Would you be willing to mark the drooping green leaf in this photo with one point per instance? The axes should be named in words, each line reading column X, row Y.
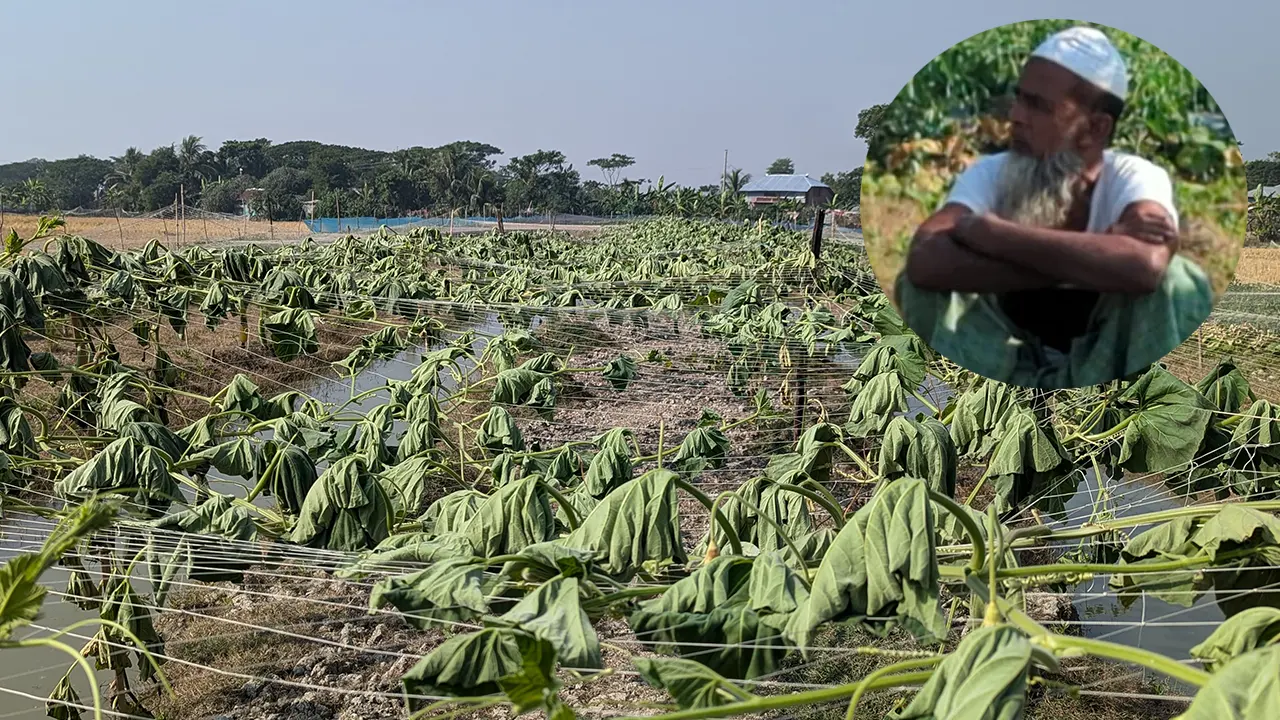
column 704, row 447
column 1226, row 387
column 452, row 590
column 881, row 565
column 173, row 306
column 471, row 665
column 1166, row 424
column 423, row 432
column 160, row 437
column 216, row 304
column 1254, row 628
column 346, row 509
column 984, row 679
column 290, row 475
column 811, row 458
column 903, row 354
column 542, row 561
column 636, row 526
column 16, row 437
column 124, row 467
column 620, row 372
column 451, row 513
column 499, row 433
column 238, row 457
column 726, row 615
column 876, row 403
column 1245, row 688
column 290, row 334
column 1027, row 461
column 692, row 685
column 922, row 449
column 411, row 480
column 553, row 613
column 515, row 516
column 979, row 413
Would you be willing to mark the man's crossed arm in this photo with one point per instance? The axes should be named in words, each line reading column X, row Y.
column 957, row 250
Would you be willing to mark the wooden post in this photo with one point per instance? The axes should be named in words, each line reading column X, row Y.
column 501, row 231
column 815, row 242
column 182, row 204
column 204, row 220
column 120, row 228
column 175, row 219
column 451, row 212
column 337, row 210
column 802, row 365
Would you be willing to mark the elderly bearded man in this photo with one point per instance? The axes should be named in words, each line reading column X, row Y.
column 1055, row 264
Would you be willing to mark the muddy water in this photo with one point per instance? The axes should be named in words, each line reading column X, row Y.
column 36, row 671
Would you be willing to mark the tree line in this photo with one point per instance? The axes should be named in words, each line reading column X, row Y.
column 1265, row 172
column 276, row 180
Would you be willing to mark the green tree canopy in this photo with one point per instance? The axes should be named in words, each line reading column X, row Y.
column 781, row 166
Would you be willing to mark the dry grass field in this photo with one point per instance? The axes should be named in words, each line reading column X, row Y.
column 1259, row 265
column 127, row 233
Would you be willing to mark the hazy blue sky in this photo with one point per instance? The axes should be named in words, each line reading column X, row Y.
column 672, row 82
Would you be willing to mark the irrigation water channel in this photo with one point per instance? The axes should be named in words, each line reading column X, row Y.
column 35, row 671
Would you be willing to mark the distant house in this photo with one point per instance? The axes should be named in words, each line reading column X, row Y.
column 772, row 188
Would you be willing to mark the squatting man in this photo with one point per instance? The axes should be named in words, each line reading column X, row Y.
column 1054, row 264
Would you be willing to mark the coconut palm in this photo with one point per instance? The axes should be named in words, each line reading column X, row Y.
column 124, row 170
column 735, row 180
column 195, row 162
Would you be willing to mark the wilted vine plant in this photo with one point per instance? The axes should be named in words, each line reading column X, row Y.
column 433, row 490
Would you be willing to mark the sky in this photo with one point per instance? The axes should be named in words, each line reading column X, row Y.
column 673, row 83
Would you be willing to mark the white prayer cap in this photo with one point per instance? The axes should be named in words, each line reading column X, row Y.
column 1088, row 53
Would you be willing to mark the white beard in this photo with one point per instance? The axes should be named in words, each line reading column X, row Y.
column 1038, row 192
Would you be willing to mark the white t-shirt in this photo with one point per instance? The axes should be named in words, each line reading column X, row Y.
column 1125, row 179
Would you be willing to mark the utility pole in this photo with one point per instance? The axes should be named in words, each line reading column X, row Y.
column 726, row 170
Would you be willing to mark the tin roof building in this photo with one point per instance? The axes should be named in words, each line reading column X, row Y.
column 772, row 188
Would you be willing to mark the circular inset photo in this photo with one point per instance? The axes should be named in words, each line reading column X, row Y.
column 1054, row 204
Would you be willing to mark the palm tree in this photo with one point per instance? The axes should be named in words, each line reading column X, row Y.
column 735, row 179
column 194, row 160
column 35, row 196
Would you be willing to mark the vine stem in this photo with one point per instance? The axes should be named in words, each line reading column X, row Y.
column 1124, row 653
column 833, row 509
column 75, row 655
column 978, row 559
column 718, row 516
column 570, row 513
column 662, row 429
column 918, row 664
column 789, row 700
column 856, row 458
